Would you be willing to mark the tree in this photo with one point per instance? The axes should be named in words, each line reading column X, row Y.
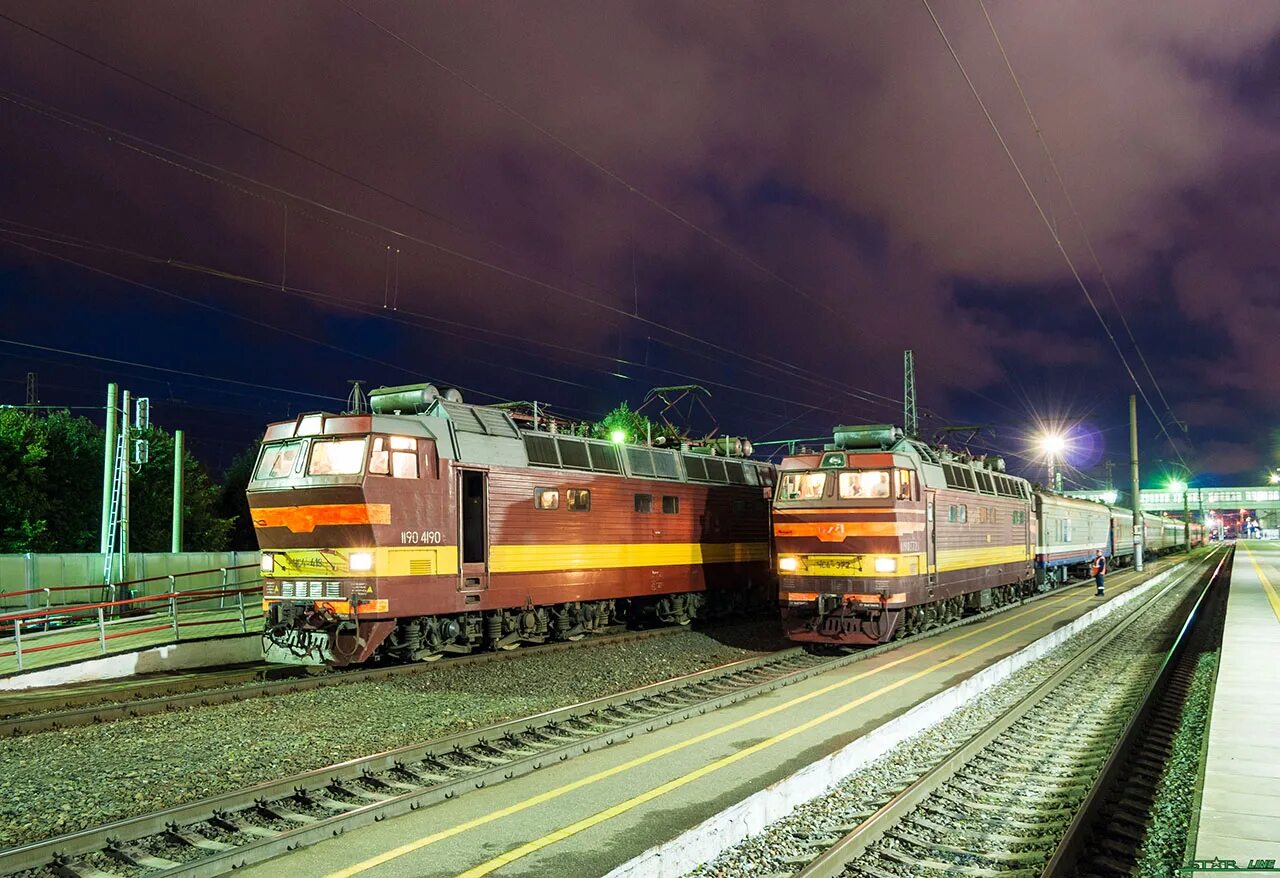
column 233, row 502
column 205, row 529
column 24, row 525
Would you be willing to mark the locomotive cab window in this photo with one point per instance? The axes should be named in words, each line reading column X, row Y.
column 336, row 457
column 803, row 486
column 546, row 498
column 671, row 505
column 577, row 499
column 644, row 503
column 280, row 459
column 864, row 484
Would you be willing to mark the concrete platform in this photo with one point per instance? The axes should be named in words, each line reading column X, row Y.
column 1240, row 805
column 589, row 815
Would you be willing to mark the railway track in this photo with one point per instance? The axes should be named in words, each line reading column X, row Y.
column 223, row 686
column 1031, row 793
column 212, row 836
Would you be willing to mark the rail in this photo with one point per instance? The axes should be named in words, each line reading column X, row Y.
column 33, row 631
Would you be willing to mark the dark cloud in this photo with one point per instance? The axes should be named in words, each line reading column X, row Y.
column 836, row 145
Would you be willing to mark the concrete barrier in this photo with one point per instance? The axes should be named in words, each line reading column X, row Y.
column 738, row 822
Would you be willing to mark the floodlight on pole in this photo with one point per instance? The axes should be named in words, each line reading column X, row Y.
column 618, row 436
column 1052, row 444
column 1274, row 478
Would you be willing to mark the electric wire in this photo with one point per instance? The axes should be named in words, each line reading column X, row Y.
column 129, row 141
column 1048, row 224
column 598, row 166
column 1053, row 165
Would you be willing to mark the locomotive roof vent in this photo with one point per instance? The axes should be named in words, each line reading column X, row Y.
column 405, row 399
column 453, row 394
column 882, row 436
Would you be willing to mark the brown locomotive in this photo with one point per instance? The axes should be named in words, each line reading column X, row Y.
column 432, row 526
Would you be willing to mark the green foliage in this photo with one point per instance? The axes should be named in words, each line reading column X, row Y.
column 51, row 485
column 635, row 427
column 151, row 497
column 233, row 502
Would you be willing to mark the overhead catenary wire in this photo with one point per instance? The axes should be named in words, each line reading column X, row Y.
column 728, row 247
column 58, row 238
column 1053, row 232
column 1071, row 205
column 221, row 117
column 166, row 155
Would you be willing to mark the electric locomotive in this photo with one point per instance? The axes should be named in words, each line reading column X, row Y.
column 880, row 535
column 431, row 526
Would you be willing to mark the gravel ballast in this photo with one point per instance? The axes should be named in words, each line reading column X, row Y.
column 58, row 782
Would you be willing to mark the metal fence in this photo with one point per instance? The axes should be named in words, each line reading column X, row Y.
column 33, row 580
column 64, row 621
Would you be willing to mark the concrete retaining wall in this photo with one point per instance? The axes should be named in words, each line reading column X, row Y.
column 750, row 816
column 169, row 657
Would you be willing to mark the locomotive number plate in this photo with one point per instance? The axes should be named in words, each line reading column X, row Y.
column 421, row 537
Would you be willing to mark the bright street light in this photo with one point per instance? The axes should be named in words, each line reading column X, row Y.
column 618, row 436
column 1275, row 478
column 1110, row 497
column 1177, row 486
column 1053, row 443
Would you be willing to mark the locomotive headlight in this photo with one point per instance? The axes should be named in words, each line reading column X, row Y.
column 788, row 565
column 268, row 563
column 360, row 562
column 886, row 565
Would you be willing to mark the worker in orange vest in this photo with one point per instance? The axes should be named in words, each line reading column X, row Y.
column 1100, row 571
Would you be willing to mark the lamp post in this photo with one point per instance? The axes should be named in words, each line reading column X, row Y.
column 1179, row 486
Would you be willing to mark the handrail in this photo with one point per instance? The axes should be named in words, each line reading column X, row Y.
column 24, row 592
column 68, row 609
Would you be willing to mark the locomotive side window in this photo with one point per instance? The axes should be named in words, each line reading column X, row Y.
column 336, row 457
column 906, row 489
column 864, row 484
column 803, row 486
column 577, row 499
column 278, row 459
column 644, row 503
column 404, row 457
column 546, row 498
column 379, row 458
column 671, row 505
column 958, row 514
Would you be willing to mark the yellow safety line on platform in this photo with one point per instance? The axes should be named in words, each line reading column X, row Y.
column 550, row 795
column 1266, row 583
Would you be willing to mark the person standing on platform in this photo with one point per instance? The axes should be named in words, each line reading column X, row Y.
column 1100, row 572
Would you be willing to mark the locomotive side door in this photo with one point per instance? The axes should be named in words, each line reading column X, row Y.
column 473, row 530
column 931, row 539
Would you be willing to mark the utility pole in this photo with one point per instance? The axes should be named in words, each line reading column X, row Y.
column 177, row 490
column 1138, row 529
column 108, row 469
column 910, row 417
column 1186, row 516
column 1111, row 480
column 33, row 388
column 125, row 466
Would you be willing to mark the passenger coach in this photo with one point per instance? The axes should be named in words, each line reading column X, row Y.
column 431, row 526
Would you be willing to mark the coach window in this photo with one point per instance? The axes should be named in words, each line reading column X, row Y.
column 577, row 499
column 906, row 488
column 644, row 503
column 671, row 505
column 546, row 498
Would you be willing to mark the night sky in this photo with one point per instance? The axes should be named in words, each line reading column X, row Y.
column 576, row 201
